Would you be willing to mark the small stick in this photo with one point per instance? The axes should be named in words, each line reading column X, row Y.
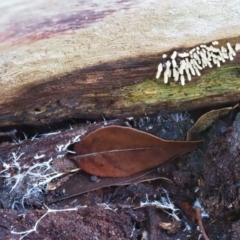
column 200, row 224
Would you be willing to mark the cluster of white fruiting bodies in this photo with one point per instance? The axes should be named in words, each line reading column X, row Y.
column 184, row 65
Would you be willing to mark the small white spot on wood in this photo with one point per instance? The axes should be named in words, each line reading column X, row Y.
column 237, row 46
column 215, row 43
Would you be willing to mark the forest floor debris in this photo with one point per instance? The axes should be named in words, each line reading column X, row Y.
column 210, row 174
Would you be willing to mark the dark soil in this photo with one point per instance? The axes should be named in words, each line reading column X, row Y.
column 221, row 191
column 210, row 174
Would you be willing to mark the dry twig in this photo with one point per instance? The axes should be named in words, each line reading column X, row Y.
column 200, row 223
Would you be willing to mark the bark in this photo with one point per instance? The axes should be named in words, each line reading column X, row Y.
column 84, row 59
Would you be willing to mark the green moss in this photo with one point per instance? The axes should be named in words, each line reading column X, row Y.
column 219, row 81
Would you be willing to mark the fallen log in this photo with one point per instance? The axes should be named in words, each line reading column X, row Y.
column 98, row 58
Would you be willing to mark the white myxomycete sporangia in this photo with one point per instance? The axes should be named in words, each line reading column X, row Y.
column 181, row 66
column 237, row 47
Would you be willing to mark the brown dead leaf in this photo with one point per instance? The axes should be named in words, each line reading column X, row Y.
column 120, row 151
column 205, row 121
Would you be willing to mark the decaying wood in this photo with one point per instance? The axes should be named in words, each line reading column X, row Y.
column 47, row 144
column 84, row 59
column 21, row 164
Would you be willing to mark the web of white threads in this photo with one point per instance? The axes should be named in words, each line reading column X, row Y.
column 164, row 203
column 34, row 228
column 187, row 64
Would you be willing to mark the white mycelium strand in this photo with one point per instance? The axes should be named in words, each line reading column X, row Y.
column 184, row 65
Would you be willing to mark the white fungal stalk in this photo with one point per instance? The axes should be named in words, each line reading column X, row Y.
column 183, row 65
